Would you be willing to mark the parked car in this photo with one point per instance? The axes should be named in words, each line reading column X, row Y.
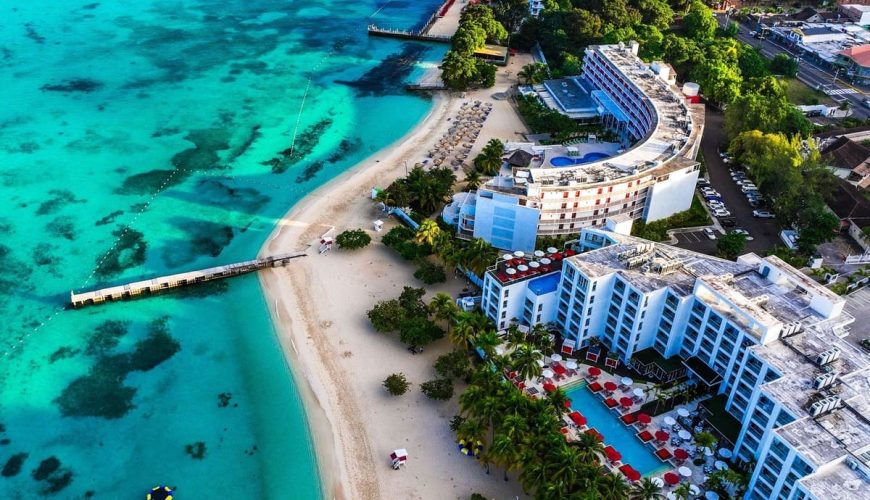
column 715, row 204
column 744, row 232
column 702, row 182
column 728, row 222
column 749, row 187
column 721, row 213
column 709, row 233
column 753, row 33
column 763, row 214
column 866, row 102
column 714, row 198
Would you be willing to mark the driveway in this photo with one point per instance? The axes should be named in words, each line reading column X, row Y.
column 858, row 305
column 765, row 232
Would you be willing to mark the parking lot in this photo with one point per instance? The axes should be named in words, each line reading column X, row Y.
column 765, row 232
column 858, row 305
column 696, row 241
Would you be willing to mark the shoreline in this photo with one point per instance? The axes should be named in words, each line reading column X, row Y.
column 331, row 463
column 318, row 305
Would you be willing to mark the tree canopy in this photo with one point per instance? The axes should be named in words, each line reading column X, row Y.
column 764, row 106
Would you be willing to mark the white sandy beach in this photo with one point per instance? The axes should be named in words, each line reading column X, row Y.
column 318, row 305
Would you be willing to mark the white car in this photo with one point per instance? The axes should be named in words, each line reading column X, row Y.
column 748, row 187
column 716, row 205
column 709, row 233
column 721, row 213
column 743, row 232
column 763, row 214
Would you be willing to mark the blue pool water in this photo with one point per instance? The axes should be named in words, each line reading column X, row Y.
column 616, row 434
column 545, row 284
column 564, row 161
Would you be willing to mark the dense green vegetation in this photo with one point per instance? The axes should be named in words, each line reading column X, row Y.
column 460, row 69
column 396, row 384
column 730, row 246
column 421, row 190
column 795, row 182
column 353, row 239
column 658, row 231
column 488, row 161
column 408, row 316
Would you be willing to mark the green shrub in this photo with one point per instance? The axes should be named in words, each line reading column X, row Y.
column 658, row 230
column 440, row 389
column 397, row 235
column 430, row 273
column 454, row 364
column 396, row 384
column 353, row 239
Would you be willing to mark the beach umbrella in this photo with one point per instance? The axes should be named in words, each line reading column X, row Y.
column 539, row 253
column 552, row 250
column 594, row 371
column 577, row 418
column 549, row 387
column 638, row 392
column 662, row 436
column 539, row 361
column 555, row 357
column 708, row 452
column 671, row 478
column 630, row 473
column 572, row 365
column 535, row 265
column 545, row 261
column 694, row 490
column 547, row 373
column 711, row 495
column 612, row 454
column 725, row 453
column 522, row 268
column 644, row 418
column 510, row 270
column 610, row 386
column 671, row 496
column 669, row 420
column 684, row 434
column 681, row 454
column 682, row 412
column 658, row 481
column 626, row 381
column 720, row 465
column 159, row 493
column 507, row 256
column 593, row 432
column 626, row 402
column 685, row 471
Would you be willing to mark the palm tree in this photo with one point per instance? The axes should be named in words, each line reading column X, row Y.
column 683, row 491
column 468, row 327
column 384, row 196
column 613, row 487
column 487, row 340
column 444, row 308
column 427, row 233
column 646, row 489
column 505, row 452
column 472, row 180
column 478, row 256
column 471, row 400
column 558, row 399
column 525, row 361
column 589, row 448
column 472, row 431
column 704, row 439
column 513, row 336
column 541, row 337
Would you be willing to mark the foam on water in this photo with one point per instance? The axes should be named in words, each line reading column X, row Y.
column 146, row 137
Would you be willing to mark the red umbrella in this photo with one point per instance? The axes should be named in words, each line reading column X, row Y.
column 549, row 387
column 612, row 454
column 645, row 436
column 672, row 478
column 610, row 386
column 625, row 402
column 611, row 403
column 662, row 436
column 567, row 403
column 595, row 433
column 594, row 371
column 629, row 472
column 644, row 418
column 681, row 454
column 559, row 369
column 578, row 419
column 663, row 453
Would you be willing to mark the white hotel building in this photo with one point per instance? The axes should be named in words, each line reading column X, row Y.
column 756, row 331
column 653, row 178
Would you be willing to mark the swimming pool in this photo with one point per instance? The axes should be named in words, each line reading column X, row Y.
column 616, row 434
column 564, row 161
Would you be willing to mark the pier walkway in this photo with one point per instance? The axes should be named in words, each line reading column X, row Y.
column 157, row 285
column 407, row 35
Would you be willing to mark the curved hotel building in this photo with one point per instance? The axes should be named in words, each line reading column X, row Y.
column 651, row 174
column 765, row 340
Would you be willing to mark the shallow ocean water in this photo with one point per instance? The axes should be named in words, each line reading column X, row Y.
column 140, row 138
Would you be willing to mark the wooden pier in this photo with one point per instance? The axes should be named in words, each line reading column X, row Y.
column 157, row 285
column 407, row 35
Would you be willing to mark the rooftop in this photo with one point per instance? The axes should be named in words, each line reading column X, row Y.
column 662, row 150
column 860, row 54
column 516, row 267
column 570, row 95
column 838, row 482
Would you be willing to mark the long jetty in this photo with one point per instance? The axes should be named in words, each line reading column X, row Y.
column 407, row 35
column 157, row 285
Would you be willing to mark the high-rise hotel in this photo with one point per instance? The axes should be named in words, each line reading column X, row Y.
column 651, row 177
column 756, row 331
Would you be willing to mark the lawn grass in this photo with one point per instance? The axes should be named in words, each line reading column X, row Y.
column 801, row 94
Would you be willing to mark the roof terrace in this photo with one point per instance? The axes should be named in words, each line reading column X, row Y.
column 516, row 267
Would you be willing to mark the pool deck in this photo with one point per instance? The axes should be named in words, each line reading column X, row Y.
column 571, row 379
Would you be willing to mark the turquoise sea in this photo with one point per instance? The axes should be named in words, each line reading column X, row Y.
column 146, row 137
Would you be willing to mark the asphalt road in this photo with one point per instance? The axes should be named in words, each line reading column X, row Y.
column 810, row 73
column 765, row 232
